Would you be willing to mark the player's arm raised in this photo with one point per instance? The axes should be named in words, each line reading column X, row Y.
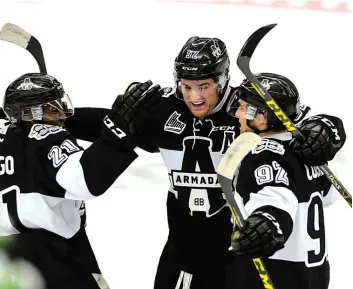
column 87, row 174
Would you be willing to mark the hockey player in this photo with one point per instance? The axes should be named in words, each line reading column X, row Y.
column 282, row 198
column 45, row 176
column 192, row 130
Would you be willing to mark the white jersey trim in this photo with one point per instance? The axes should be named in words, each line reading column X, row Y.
column 71, row 177
column 278, row 197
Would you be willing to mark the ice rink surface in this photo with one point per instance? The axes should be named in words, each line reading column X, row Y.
column 96, row 48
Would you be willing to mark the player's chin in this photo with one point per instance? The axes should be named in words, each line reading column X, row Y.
column 245, row 129
column 59, row 122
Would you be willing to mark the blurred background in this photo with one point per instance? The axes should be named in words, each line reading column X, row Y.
column 96, row 48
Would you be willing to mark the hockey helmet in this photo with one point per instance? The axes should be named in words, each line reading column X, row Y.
column 281, row 89
column 36, row 96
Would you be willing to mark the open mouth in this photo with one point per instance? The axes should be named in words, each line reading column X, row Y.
column 198, row 104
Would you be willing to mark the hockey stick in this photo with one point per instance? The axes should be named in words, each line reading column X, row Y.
column 239, row 148
column 243, row 63
column 15, row 34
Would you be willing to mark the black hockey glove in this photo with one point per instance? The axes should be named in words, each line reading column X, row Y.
column 130, row 112
column 325, row 136
column 260, row 237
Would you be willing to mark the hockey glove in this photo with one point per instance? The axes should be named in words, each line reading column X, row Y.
column 325, row 136
column 130, row 112
column 260, row 237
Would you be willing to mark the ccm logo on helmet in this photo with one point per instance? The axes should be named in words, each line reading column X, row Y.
column 189, row 68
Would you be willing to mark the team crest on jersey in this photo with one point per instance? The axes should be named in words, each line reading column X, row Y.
column 167, row 91
column 41, row 131
column 269, row 145
column 173, row 124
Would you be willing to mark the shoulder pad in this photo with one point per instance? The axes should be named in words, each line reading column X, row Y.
column 269, row 145
column 41, row 131
column 168, row 91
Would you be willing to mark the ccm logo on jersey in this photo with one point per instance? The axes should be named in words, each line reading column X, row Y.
column 269, row 145
column 194, row 180
column 173, row 124
column 115, row 130
column 222, row 128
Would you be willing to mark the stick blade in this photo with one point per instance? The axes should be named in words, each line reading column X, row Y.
column 250, row 45
column 15, row 34
column 239, row 148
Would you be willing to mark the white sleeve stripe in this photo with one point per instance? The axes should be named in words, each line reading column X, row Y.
column 278, row 197
column 71, row 177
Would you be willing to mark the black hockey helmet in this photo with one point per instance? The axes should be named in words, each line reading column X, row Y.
column 281, row 89
column 203, row 58
column 36, row 96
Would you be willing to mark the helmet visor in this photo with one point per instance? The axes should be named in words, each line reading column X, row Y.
column 56, row 110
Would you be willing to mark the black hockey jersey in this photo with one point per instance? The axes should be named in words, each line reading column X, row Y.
column 199, row 221
column 271, row 180
column 45, row 176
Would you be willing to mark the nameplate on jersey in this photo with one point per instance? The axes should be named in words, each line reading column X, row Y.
column 41, row 131
column 269, row 145
column 313, row 172
column 194, row 180
column 173, row 124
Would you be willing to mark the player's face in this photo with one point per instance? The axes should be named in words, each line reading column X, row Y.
column 57, row 111
column 199, row 95
column 53, row 114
